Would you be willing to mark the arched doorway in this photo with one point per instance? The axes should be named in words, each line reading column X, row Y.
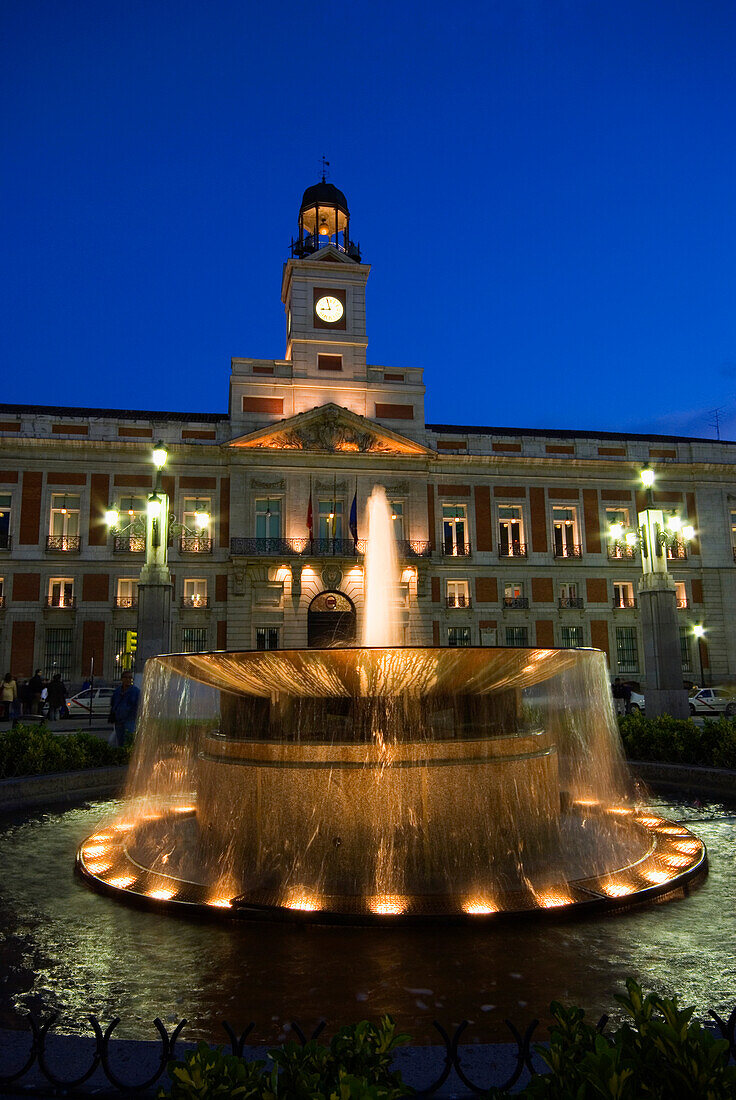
column 330, row 621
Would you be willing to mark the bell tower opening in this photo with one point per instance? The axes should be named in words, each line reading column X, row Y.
column 324, row 219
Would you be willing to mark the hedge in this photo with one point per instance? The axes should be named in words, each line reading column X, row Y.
column 35, row 750
column 680, row 741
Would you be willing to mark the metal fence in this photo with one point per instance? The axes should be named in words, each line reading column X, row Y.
column 38, row 1077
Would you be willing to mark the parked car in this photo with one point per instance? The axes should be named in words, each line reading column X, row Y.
column 636, row 703
column 713, row 701
column 81, row 703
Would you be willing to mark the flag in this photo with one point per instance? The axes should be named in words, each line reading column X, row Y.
column 354, row 517
column 310, row 518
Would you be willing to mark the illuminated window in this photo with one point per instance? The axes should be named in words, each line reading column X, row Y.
column 565, row 531
column 458, row 594
column 64, row 521
column 5, row 514
column 511, row 531
column 330, row 519
column 397, row 517
column 194, row 509
column 681, row 594
column 455, row 529
column 61, row 592
column 623, row 594
column 195, row 592
column 127, row 592
column 268, row 517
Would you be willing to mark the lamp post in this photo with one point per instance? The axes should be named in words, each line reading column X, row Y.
column 699, row 632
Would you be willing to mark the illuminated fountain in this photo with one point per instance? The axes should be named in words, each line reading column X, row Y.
column 382, row 782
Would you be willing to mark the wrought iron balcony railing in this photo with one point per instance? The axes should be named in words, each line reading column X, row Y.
column 413, row 548
column 197, row 603
column 321, row 548
column 458, row 601
column 572, row 602
column 676, row 549
column 195, row 544
column 456, row 549
column 624, row 603
column 518, row 603
column 61, row 603
column 129, row 544
column 512, row 550
column 2, row 601
column 619, row 552
column 6, row 540
column 126, row 602
column 683, row 603
column 572, row 551
column 64, row 543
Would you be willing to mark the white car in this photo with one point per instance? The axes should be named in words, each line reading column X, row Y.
column 636, row 703
column 713, row 701
column 82, row 703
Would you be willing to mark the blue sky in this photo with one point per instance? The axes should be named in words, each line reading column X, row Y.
column 545, row 189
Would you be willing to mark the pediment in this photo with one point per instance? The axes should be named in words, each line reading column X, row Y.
column 330, row 253
column 330, row 429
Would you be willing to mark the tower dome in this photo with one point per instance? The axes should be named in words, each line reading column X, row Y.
column 324, row 218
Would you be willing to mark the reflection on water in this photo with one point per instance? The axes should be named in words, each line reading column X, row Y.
column 66, row 948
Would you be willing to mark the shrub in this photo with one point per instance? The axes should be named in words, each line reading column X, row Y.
column 35, row 750
column 680, row 741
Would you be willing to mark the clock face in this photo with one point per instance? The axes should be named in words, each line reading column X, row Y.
column 329, row 309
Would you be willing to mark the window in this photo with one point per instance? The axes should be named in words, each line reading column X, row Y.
column 2, row 592
column 127, row 592
column 627, row 653
column 455, row 529
column 621, row 541
column 517, row 636
column 267, row 637
column 193, row 639
column 458, row 636
column 61, row 592
column 195, row 593
column 511, row 531
column 618, row 516
column 132, row 507
column 130, row 536
column 733, row 532
column 513, row 594
column 685, row 649
column 5, row 503
column 329, row 362
column 330, row 519
column 268, row 517
column 195, row 508
column 458, row 594
column 397, row 518
column 565, row 532
column 58, row 651
column 571, row 637
column 623, row 594
column 681, row 594
column 64, row 522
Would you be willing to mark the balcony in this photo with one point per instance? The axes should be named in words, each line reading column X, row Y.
column 64, row 544
column 6, row 540
column 195, row 603
column 458, row 601
column 195, row 544
column 682, row 603
column 2, row 602
column 676, row 550
column 456, row 549
column 572, row 603
column 59, row 603
column 516, row 603
column 616, row 552
column 513, row 550
column 573, row 550
column 624, row 603
column 129, row 544
column 126, row 603
column 301, row 547
column 412, row 548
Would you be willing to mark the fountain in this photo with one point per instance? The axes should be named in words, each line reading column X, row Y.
column 384, row 782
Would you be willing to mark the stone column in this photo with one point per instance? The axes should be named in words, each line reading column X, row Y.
column 154, row 589
column 665, row 692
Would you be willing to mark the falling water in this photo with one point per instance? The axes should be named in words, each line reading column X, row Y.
column 381, row 624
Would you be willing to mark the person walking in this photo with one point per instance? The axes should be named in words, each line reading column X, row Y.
column 8, row 696
column 35, row 687
column 124, row 707
column 56, row 697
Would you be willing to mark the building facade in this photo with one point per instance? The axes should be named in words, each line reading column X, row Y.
column 504, row 533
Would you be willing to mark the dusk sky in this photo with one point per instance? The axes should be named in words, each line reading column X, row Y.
column 546, row 190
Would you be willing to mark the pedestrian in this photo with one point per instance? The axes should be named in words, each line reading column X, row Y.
column 56, row 697
column 25, row 697
column 618, row 696
column 8, row 696
column 124, row 707
column 35, row 689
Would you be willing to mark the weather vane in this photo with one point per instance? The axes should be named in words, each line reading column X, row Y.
column 325, row 166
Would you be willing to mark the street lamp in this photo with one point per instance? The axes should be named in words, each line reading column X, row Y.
column 160, row 455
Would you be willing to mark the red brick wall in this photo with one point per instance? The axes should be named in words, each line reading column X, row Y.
column 483, row 525
column 21, row 649
column 95, row 587
column 93, row 645
column 596, row 589
column 539, row 520
column 99, row 498
column 545, row 633
column 224, row 512
column 30, row 508
column 486, row 589
column 221, row 589
column 394, row 412
column 430, row 516
column 435, row 589
column 26, row 587
column 264, row 405
column 599, row 635
column 542, row 590
column 592, row 521
column 435, row 633
column 222, row 634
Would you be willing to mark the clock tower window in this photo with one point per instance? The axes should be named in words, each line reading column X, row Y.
column 329, row 362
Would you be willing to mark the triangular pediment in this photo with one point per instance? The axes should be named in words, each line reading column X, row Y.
column 331, row 254
column 330, row 429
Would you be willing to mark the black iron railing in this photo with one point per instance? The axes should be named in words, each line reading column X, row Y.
column 64, row 543
column 61, row 603
column 321, row 548
column 574, row 550
column 126, row 601
column 2, row 601
column 513, row 550
column 624, row 603
column 6, row 540
column 517, row 603
column 458, row 601
column 676, row 549
column 456, row 549
column 616, row 552
column 196, row 603
column 195, row 544
column 413, row 548
column 572, row 602
column 129, row 544
column 683, row 603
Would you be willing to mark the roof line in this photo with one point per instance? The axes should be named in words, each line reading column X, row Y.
column 566, row 433
column 120, row 414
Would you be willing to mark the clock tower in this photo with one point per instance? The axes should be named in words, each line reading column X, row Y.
column 323, row 291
